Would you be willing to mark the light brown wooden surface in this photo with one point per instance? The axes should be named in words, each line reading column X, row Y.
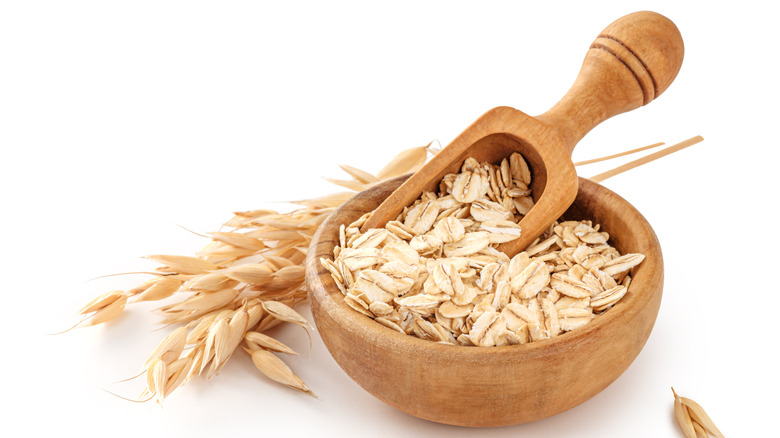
column 631, row 62
column 483, row 386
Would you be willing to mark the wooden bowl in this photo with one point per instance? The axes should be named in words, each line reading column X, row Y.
column 491, row 386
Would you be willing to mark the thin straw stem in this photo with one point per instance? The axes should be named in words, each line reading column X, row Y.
column 609, row 157
column 644, row 160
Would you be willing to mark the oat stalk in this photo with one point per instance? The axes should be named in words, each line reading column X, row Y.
column 646, row 159
column 247, row 279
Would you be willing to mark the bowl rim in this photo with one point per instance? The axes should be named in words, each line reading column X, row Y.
column 324, row 292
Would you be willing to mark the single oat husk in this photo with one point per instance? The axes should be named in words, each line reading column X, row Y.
column 275, row 369
column 693, row 420
column 257, row 340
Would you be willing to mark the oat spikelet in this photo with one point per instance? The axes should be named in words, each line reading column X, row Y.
column 236, row 328
column 159, row 288
column 101, row 302
column 246, row 280
column 184, row 264
column 170, row 347
column 257, row 340
column 107, row 312
column 276, row 370
column 683, row 417
column 359, row 175
column 284, row 313
column 406, row 162
column 256, row 274
column 693, row 419
column 155, row 379
column 177, row 373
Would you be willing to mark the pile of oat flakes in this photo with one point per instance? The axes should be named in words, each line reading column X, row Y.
column 435, row 272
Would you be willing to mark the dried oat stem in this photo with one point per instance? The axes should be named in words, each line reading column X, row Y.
column 644, row 160
column 621, row 154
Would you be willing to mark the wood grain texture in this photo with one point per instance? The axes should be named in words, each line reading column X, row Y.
column 631, row 62
column 484, row 386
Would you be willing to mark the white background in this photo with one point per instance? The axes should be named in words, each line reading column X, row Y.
column 120, row 121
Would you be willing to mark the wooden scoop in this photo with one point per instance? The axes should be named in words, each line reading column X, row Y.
column 629, row 64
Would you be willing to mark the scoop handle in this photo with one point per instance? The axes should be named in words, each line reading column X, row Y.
column 629, row 64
